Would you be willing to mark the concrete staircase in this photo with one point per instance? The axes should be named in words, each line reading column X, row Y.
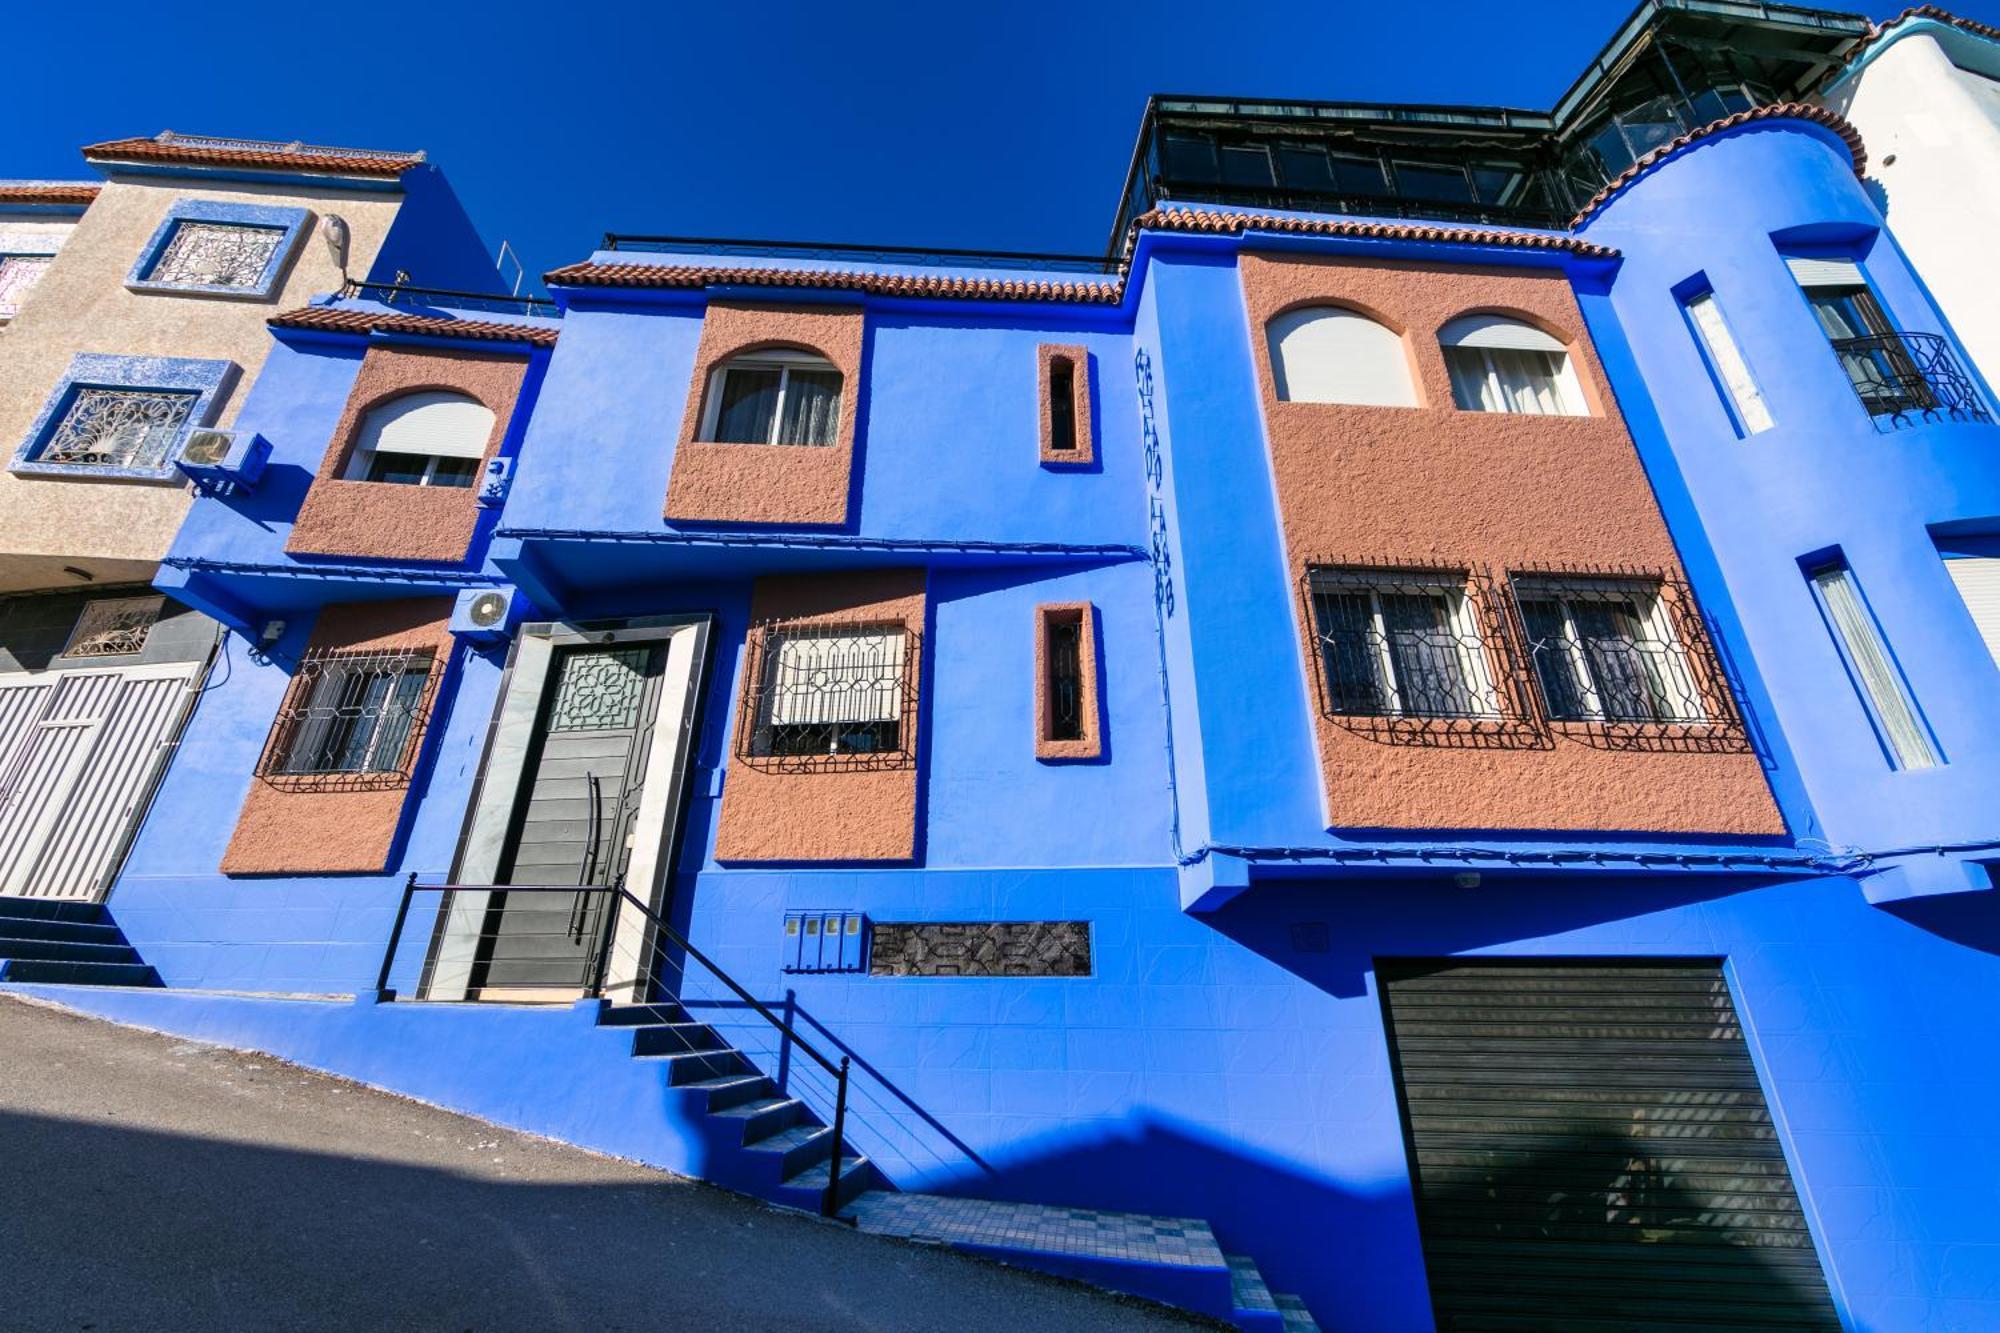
column 762, row 1142
column 68, row 943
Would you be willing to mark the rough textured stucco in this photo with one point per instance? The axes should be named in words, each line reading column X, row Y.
column 82, row 305
column 835, row 815
column 1091, row 743
column 795, row 485
column 1085, row 452
column 288, row 831
column 384, row 520
column 1495, row 492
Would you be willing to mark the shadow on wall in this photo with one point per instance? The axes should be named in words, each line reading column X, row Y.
column 139, row 1229
column 1968, row 919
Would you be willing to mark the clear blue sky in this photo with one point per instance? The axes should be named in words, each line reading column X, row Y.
column 951, row 122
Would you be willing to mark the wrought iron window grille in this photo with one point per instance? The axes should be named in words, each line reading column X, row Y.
column 1622, row 659
column 352, row 720
column 1903, row 379
column 1065, row 667
column 113, row 627
column 1418, row 654
column 18, row 276
column 125, row 428
column 830, row 696
column 216, row 254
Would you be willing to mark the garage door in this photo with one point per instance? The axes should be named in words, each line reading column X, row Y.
column 1592, row 1150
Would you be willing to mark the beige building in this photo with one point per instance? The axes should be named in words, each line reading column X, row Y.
column 133, row 312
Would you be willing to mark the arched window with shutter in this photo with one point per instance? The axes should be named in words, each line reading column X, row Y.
column 1326, row 354
column 775, row 396
column 432, row 438
column 1499, row 364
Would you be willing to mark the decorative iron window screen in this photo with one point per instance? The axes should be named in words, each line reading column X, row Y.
column 827, row 695
column 130, row 428
column 216, row 254
column 352, row 720
column 1417, row 654
column 113, row 627
column 18, row 276
column 1622, row 659
column 1065, row 668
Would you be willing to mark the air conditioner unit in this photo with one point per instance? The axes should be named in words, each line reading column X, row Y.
column 487, row 613
column 499, row 475
column 221, row 461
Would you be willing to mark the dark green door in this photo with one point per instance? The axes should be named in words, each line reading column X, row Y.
column 1592, row 1151
column 574, row 821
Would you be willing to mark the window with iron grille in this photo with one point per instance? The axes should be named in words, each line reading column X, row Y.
column 113, row 627
column 352, row 718
column 216, row 254
column 1623, row 655
column 1065, row 667
column 122, row 428
column 830, row 695
column 1416, row 653
column 18, row 276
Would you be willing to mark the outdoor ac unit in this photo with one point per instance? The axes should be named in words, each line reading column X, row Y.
column 487, row 613
column 223, row 460
column 493, row 484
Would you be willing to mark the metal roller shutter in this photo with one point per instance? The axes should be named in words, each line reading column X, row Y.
column 1591, row 1150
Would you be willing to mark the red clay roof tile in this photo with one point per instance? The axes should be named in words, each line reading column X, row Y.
column 693, row 277
column 327, row 319
column 48, row 192
column 274, row 157
column 1179, row 218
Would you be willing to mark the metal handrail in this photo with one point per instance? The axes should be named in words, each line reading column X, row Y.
column 592, row 985
column 353, row 289
column 1898, row 374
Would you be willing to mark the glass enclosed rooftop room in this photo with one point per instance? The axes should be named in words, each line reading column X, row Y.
column 1674, row 66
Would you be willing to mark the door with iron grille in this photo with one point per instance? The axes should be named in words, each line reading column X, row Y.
column 1591, row 1149
column 574, row 819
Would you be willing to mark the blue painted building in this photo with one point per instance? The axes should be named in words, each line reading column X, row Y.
column 1418, row 751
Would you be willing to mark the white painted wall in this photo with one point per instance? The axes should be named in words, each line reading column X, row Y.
column 1927, row 102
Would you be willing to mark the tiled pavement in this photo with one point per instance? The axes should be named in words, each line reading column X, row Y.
column 1082, row 1232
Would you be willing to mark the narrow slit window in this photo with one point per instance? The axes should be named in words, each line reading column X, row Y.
column 1875, row 673
column 1065, row 684
column 1725, row 361
column 1067, row 725
column 1062, row 405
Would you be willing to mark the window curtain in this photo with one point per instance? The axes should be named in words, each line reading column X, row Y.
column 812, row 402
column 1425, row 653
column 836, row 678
column 1349, row 650
column 749, row 401
column 1622, row 669
column 1549, row 645
column 1877, row 675
column 1505, row 379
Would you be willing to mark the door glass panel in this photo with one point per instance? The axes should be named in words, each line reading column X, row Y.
column 599, row 691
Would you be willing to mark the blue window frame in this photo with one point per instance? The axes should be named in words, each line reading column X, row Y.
column 122, row 416
column 207, row 248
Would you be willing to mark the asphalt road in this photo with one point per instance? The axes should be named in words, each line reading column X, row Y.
column 147, row 1183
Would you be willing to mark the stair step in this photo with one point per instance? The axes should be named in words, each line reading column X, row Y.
column 47, row 928
column 1297, row 1318
column 1247, row 1287
column 764, row 1116
column 807, row 1189
column 78, row 974
column 729, row 1090
column 642, row 1015
column 674, row 1038
column 66, row 951
column 685, row 1067
column 50, row 909
column 798, row 1147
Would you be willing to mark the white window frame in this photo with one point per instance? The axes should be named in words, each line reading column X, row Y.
column 1485, row 334
column 1740, row 391
column 1459, row 611
column 784, row 360
column 1653, row 613
column 1884, row 692
column 363, row 458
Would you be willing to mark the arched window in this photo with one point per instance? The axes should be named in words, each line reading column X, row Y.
column 775, row 396
column 1499, row 364
column 1323, row 354
column 432, row 438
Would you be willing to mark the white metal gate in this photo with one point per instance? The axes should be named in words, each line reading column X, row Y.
column 77, row 749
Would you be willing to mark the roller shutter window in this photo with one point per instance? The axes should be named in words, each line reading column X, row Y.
column 1978, row 580
column 1324, row 354
column 1591, row 1150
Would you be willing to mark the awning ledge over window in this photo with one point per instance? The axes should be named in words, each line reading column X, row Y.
column 1497, row 331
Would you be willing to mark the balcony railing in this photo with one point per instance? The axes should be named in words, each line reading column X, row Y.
column 1907, row 378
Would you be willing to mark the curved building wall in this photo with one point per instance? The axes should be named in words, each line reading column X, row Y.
column 1824, row 481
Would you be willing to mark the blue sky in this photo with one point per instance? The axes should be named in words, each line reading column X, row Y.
column 1006, row 126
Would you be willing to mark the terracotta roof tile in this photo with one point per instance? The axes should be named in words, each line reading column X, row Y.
column 1817, row 115
column 327, row 319
column 1932, row 12
column 694, row 277
column 47, row 192
column 1201, row 220
column 275, row 157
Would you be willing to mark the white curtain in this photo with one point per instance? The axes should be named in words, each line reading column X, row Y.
column 1729, row 364
column 1877, row 674
column 1497, row 379
column 836, row 676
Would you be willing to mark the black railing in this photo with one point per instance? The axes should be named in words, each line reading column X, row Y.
column 1904, row 377
column 835, row 251
column 498, row 950
column 446, row 298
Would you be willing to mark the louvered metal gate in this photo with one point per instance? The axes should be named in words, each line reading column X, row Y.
column 1592, row 1150
column 77, row 750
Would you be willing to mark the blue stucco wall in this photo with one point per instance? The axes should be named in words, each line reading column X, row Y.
column 1822, row 478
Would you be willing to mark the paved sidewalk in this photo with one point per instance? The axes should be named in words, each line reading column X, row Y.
column 148, row 1183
